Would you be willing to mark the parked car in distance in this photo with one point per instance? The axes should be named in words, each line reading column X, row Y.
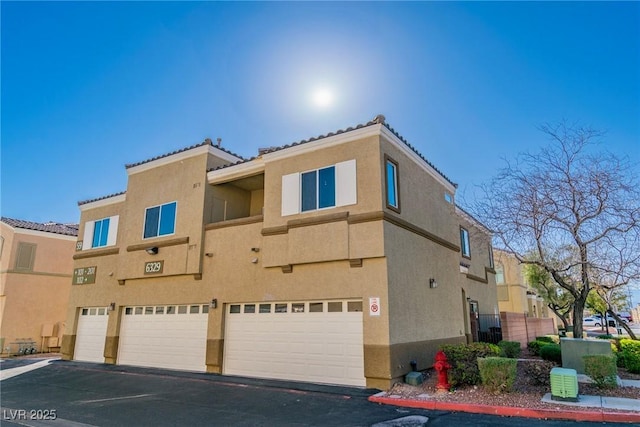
column 591, row 321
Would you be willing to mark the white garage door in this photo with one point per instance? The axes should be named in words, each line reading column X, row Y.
column 92, row 330
column 164, row 336
column 307, row 341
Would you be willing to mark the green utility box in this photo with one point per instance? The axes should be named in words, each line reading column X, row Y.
column 564, row 384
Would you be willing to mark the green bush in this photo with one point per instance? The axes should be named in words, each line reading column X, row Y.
column 534, row 347
column 463, row 359
column 604, row 337
column 497, row 373
column 630, row 350
column 510, row 349
column 551, row 352
column 620, row 360
column 602, row 369
column 538, row 371
column 546, row 339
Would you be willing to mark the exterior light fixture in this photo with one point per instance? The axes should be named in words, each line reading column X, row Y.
column 214, row 303
column 153, row 250
column 432, row 283
column 112, row 306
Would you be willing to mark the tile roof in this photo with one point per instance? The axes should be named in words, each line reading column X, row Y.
column 379, row 119
column 49, row 227
column 205, row 142
column 84, row 202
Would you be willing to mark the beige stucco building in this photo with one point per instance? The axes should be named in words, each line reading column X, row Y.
column 515, row 294
column 338, row 259
column 35, row 280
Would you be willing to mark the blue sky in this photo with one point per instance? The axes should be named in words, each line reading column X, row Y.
column 88, row 87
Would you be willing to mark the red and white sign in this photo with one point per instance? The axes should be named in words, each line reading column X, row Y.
column 374, row 306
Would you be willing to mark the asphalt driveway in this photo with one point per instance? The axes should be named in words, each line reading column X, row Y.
column 84, row 394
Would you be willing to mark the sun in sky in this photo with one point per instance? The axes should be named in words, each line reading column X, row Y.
column 322, row 97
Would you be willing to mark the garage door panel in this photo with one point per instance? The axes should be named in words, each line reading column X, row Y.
column 319, row 346
column 163, row 340
column 90, row 335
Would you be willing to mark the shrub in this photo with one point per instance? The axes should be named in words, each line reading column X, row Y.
column 546, row 339
column 510, row 349
column 534, row 347
column 604, row 337
column 463, row 359
column 497, row 373
column 538, row 371
column 551, row 352
column 630, row 350
column 620, row 360
column 602, row 369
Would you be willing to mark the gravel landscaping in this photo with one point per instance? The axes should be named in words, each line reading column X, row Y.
column 525, row 393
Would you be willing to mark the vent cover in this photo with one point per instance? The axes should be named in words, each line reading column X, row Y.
column 564, row 384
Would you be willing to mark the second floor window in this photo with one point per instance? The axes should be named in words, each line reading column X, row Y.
column 160, row 220
column 499, row 274
column 391, row 176
column 465, row 247
column 318, row 189
column 100, row 233
column 328, row 187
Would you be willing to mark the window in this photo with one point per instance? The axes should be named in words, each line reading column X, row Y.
column 318, row 189
column 354, row 306
column 499, row 274
column 448, row 197
column 465, row 248
column 25, row 256
column 100, row 233
column 391, row 179
column 334, row 306
column 323, row 188
column 491, row 262
column 265, row 308
column 160, row 220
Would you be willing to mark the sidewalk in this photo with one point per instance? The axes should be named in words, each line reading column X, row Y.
column 626, row 410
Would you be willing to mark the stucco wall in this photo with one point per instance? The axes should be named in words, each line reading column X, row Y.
column 31, row 299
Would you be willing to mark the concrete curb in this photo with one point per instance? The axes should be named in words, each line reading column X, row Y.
column 508, row 411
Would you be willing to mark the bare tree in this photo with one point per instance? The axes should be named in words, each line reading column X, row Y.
column 569, row 210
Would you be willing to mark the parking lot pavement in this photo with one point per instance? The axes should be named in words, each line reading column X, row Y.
column 82, row 394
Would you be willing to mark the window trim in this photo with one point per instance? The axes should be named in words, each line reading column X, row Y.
column 396, row 181
column 465, row 238
column 175, row 216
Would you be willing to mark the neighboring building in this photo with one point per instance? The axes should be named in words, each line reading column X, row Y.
column 335, row 259
column 35, row 280
column 515, row 294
